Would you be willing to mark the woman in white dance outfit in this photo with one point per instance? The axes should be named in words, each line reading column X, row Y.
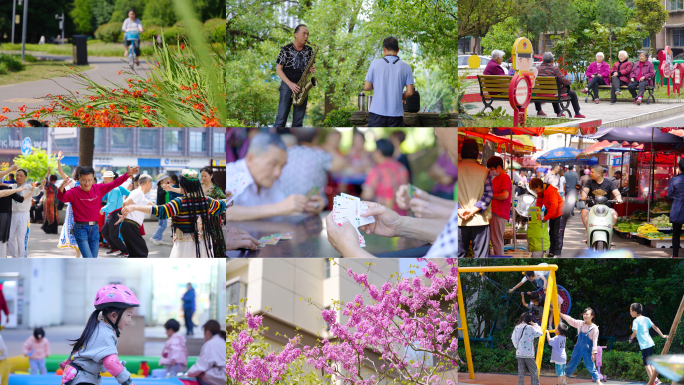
column 190, row 218
column 66, row 236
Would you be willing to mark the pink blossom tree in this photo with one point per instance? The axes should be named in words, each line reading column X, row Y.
column 410, row 325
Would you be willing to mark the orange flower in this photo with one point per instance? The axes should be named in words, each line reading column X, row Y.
column 5, row 110
column 194, row 86
column 3, row 118
column 22, row 108
column 120, row 72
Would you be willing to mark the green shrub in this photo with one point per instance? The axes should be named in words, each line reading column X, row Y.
column 215, row 30
column 30, row 58
column 340, row 117
column 150, row 33
column 175, row 35
column 110, row 32
column 3, row 68
column 12, row 62
column 617, row 365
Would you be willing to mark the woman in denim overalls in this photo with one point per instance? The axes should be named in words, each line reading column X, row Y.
column 584, row 348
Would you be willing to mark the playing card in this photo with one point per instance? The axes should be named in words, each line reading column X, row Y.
column 349, row 206
column 412, row 191
column 235, row 186
column 314, row 191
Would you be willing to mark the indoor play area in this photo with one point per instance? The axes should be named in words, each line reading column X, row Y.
column 42, row 313
column 507, row 305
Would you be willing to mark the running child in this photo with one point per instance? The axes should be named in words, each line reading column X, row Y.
column 586, row 346
column 174, row 356
column 558, row 355
column 95, row 351
column 523, row 340
column 640, row 327
column 37, row 349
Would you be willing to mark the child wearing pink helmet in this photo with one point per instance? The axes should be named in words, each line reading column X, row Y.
column 95, row 351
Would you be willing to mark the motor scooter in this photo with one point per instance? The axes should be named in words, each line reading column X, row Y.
column 599, row 224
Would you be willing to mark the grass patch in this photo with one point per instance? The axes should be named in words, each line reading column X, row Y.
column 95, row 48
column 37, row 71
column 507, row 121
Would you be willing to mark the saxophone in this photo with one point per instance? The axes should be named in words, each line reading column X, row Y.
column 306, row 82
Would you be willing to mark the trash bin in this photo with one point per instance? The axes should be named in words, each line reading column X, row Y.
column 80, row 44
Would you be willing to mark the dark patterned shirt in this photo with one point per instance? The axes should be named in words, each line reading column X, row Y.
column 294, row 61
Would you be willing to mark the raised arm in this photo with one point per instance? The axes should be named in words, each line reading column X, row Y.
column 59, row 165
column 8, row 192
column 4, row 173
column 30, row 191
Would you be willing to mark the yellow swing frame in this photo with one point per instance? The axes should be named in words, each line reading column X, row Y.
column 551, row 298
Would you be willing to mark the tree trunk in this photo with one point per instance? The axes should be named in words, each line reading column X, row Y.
column 652, row 36
column 329, row 105
column 487, row 152
column 86, row 146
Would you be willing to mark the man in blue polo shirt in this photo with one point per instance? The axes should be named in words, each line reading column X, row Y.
column 388, row 77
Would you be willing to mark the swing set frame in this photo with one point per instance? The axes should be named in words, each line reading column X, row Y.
column 551, row 298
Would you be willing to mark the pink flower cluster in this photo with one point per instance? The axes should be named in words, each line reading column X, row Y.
column 406, row 316
column 267, row 369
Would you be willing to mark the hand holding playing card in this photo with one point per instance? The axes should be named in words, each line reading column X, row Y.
column 295, row 203
column 424, row 209
column 406, row 193
column 386, row 221
column 315, row 204
column 342, row 237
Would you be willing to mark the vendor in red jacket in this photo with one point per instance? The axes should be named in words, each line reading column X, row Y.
column 548, row 196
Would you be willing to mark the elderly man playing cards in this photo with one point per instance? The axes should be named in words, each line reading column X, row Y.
column 260, row 195
column 343, row 235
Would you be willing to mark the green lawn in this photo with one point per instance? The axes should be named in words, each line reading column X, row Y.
column 95, row 48
column 507, row 121
column 37, row 71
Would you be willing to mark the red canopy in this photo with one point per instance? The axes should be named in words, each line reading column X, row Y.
column 674, row 131
column 534, row 131
column 499, row 140
column 598, row 146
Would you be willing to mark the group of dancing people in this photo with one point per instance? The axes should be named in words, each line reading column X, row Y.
column 193, row 202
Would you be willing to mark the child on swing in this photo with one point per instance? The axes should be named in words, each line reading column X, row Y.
column 586, row 346
column 523, row 340
column 640, row 327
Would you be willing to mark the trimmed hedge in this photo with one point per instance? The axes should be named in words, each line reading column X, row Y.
column 617, row 365
column 110, row 32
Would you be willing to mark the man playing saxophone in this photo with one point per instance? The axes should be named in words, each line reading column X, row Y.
column 292, row 61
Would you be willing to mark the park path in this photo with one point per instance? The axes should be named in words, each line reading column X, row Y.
column 106, row 69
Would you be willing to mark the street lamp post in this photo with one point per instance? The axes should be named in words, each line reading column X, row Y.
column 23, row 30
column 14, row 17
column 61, row 25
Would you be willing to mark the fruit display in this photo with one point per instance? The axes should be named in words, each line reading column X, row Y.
column 661, row 222
column 624, row 220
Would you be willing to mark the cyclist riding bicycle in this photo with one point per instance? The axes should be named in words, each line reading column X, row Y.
column 132, row 29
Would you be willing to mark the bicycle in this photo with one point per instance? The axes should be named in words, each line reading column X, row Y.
column 134, row 38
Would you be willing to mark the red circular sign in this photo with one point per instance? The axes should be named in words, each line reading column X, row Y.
column 520, row 91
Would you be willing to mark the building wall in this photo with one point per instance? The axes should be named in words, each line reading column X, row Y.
column 278, row 284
